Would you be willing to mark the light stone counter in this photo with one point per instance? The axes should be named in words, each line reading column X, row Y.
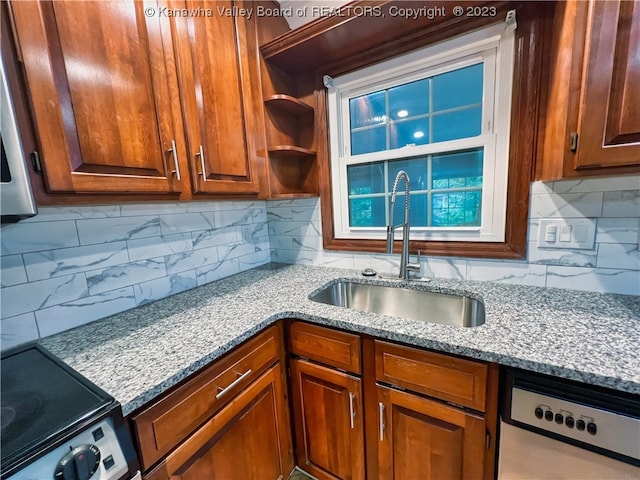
column 138, row 354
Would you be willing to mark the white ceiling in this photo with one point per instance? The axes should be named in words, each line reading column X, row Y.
column 299, row 7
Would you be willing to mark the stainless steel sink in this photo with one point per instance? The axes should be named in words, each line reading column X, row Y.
column 456, row 310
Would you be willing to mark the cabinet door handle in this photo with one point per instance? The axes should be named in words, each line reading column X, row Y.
column 381, row 411
column 174, row 154
column 201, row 155
column 232, row 384
column 352, row 413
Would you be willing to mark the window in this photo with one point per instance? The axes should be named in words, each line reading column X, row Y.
column 443, row 115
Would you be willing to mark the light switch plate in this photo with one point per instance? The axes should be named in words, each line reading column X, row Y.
column 574, row 233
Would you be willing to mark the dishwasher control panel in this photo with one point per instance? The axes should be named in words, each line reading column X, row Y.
column 594, row 426
column 591, row 417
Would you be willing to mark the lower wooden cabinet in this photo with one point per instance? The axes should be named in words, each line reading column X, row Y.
column 361, row 408
column 420, row 438
column 248, row 439
column 397, row 412
column 328, row 419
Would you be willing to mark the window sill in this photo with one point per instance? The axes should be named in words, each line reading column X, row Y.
column 497, row 250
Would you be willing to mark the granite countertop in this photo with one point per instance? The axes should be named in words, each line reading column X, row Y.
column 138, row 354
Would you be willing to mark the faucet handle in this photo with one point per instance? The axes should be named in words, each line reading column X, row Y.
column 415, row 267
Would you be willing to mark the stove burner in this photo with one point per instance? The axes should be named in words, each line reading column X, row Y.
column 18, row 412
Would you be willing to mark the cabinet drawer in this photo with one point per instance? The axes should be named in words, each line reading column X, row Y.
column 167, row 422
column 449, row 378
column 324, row 345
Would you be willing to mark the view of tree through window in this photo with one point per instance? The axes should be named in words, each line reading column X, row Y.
column 446, row 189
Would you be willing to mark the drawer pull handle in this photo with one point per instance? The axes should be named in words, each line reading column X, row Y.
column 233, row 384
column 352, row 413
column 174, row 153
column 201, row 155
column 381, row 410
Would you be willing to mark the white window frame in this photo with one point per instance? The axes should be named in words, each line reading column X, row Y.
column 494, row 46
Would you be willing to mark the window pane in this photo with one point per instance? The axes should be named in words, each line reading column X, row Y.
column 367, row 212
column 416, row 168
column 458, row 169
column 365, row 178
column 417, row 210
column 456, row 209
column 369, row 140
column 473, row 208
column 458, row 88
column 368, row 110
column 455, row 125
column 409, row 100
column 410, row 132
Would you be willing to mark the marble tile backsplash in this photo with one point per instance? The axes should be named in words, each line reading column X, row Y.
column 71, row 265
column 612, row 266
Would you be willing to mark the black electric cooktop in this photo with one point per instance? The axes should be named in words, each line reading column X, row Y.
column 41, row 399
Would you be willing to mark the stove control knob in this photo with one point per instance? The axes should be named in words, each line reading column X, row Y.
column 569, row 422
column 79, row 464
column 580, row 424
column 592, row 428
column 548, row 415
column 539, row 412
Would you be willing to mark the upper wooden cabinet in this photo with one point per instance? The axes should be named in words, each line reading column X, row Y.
column 100, row 97
column 130, row 98
column 216, row 64
column 592, row 120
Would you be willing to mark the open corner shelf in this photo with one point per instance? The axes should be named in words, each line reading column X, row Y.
column 291, row 151
column 288, row 104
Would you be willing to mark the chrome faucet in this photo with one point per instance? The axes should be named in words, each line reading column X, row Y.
column 405, row 265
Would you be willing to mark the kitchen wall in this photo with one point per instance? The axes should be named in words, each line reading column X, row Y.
column 71, row 265
column 612, row 266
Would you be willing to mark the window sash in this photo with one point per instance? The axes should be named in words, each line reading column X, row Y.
column 487, row 58
column 495, row 49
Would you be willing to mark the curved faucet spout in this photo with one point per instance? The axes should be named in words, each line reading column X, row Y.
column 405, row 266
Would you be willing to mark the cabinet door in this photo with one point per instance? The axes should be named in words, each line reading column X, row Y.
column 217, row 97
column 97, row 80
column 327, row 407
column 421, row 438
column 248, row 439
column 609, row 124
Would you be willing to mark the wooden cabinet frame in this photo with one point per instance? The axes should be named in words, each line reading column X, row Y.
column 589, row 104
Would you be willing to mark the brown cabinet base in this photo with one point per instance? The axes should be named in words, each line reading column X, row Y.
column 328, row 420
column 248, row 439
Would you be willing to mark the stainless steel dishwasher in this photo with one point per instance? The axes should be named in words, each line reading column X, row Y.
column 557, row 429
